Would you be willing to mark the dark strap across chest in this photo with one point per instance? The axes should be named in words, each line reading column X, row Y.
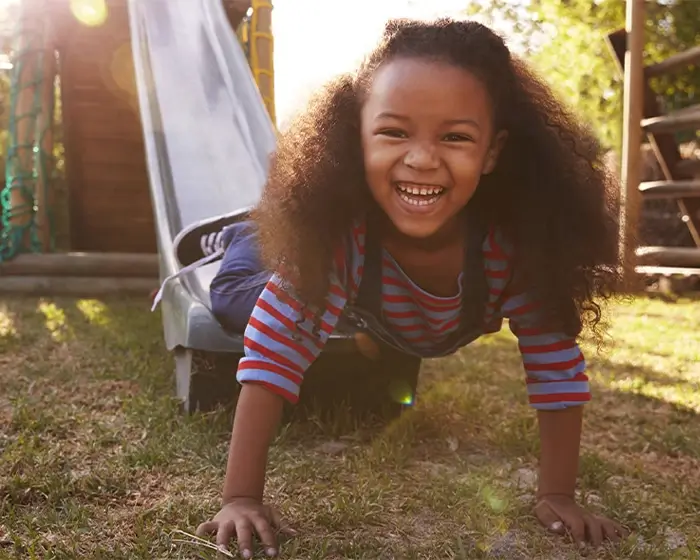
column 474, row 285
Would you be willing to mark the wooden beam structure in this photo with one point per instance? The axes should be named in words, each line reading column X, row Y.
column 681, row 175
column 97, row 265
column 687, row 257
column 75, row 286
column 80, row 274
column 631, row 139
column 674, row 63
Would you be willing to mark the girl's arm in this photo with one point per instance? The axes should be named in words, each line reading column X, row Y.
column 281, row 342
column 557, row 387
column 560, row 438
column 554, row 365
column 258, row 414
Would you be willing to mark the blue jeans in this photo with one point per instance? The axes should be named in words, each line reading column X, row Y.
column 240, row 280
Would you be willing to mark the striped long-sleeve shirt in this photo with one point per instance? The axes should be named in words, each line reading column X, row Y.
column 279, row 349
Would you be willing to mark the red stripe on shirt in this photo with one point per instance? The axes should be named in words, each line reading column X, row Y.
column 552, row 347
column 272, row 355
column 277, row 337
column 560, row 397
column 276, row 389
column 577, row 377
column 264, row 365
column 288, row 323
column 496, row 273
column 294, row 304
column 495, row 247
column 555, row 365
column 525, row 308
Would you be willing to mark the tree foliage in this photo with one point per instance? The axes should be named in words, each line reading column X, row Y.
column 566, row 41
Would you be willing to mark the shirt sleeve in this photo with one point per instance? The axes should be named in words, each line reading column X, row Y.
column 280, row 341
column 554, row 365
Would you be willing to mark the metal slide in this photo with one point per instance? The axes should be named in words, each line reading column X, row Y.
column 208, row 138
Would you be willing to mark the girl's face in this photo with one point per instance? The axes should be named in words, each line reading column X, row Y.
column 427, row 137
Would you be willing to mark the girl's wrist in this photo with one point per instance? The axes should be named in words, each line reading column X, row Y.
column 541, row 494
column 227, row 500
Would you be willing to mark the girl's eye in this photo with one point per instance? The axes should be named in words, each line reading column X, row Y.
column 392, row 133
column 458, row 137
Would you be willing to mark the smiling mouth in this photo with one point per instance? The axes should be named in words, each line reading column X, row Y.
column 419, row 195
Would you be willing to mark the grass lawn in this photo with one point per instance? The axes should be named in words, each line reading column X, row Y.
column 97, row 462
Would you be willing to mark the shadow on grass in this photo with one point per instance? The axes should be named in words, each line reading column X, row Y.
column 477, row 396
column 485, row 384
column 615, row 371
column 104, row 357
column 471, row 426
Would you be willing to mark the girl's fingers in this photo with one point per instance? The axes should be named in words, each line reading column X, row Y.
column 266, row 534
column 577, row 528
column 614, row 531
column 549, row 518
column 207, row 528
column 225, row 533
column 594, row 529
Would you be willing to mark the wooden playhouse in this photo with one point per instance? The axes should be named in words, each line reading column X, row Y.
column 73, row 57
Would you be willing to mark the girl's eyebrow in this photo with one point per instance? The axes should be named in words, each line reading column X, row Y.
column 390, row 115
column 471, row 122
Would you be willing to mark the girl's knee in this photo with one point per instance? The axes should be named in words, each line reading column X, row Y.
column 233, row 299
column 241, row 278
column 226, row 310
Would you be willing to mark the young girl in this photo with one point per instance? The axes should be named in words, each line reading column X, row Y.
column 446, row 181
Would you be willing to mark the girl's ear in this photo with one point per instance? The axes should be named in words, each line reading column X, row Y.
column 494, row 151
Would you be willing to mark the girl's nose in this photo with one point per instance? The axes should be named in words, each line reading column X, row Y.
column 422, row 157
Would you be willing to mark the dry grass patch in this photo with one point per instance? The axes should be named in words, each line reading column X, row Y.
column 96, row 460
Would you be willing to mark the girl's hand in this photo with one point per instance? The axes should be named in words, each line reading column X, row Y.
column 244, row 517
column 560, row 513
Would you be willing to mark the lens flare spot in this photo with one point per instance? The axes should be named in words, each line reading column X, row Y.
column 7, row 324
column 55, row 321
column 401, row 392
column 94, row 311
column 92, row 13
column 493, row 499
column 122, row 70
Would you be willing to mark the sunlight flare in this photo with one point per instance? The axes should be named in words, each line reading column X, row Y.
column 54, row 320
column 7, row 323
column 94, row 311
column 92, row 13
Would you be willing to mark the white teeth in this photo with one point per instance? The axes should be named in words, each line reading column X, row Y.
column 414, row 202
column 419, row 191
column 409, row 192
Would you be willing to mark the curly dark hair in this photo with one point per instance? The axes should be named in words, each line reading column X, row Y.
column 550, row 191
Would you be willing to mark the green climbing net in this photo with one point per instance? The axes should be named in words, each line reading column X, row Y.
column 27, row 164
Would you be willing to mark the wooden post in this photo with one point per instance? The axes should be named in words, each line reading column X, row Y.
column 43, row 188
column 631, row 140
column 96, row 265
